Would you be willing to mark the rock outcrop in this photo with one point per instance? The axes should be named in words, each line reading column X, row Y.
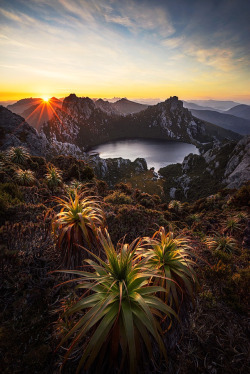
column 14, row 131
column 222, row 165
column 114, row 169
column 237, row 170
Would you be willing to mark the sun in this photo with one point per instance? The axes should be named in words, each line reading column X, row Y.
column 46, row 99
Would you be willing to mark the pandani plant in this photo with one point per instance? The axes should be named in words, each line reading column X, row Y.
column 169, row 258
column 53, row 176
column 118, row 315
column 24, row 177
column 18, row 155
column 232, row 225
column 75, row 225
column 220, row 242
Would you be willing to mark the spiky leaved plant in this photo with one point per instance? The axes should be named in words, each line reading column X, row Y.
column 76, row 226
column 232, row 225
column 175, row 205
column 18, row 155
column 223, row 243
column 119, row 312
column 73, row 186
column 169, row 257
column 53, row 176
column 24, row 177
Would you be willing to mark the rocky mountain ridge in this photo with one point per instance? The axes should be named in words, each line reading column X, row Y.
column 83, row 122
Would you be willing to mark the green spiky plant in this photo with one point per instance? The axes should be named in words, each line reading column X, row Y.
column 170, row 258
column 24, row 177
column 232, row 225
column 222, row 243
column 175, row 205
column 18, row 155
column 119, row 311
column 53, row 176
column 76, row 225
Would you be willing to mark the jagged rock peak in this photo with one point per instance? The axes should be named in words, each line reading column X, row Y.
column 80, row 106
column 173, row 102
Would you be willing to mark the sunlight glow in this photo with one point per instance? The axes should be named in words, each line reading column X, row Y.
column 45, row 99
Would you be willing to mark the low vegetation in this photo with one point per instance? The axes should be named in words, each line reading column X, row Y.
column 18, row 155
column 75, row 227
column 118, row 306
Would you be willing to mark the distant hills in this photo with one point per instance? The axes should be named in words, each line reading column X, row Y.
column 35, row 111
column 218, row 105
column 227, row 121
column 21, row 105
column 237, row 118
column 191, row 105
column 126, row 106
column 241, row 110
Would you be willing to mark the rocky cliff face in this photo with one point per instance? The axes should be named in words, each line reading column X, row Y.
column 14, row 131
column 222, row 165
column 112, row 170
column 237, row 170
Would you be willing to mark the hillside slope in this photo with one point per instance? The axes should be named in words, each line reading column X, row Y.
column 227, row 121
column 242, row 111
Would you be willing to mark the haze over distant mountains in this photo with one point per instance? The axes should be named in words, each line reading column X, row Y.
column 241, row 110
column 220, row 105
column 237, row 118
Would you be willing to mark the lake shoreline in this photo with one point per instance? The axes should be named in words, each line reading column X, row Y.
column 157, row 152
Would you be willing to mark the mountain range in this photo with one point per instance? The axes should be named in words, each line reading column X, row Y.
column 36, row 112
column 225, row 120
column 82, row 122
column 241, row 110
column 220, row 105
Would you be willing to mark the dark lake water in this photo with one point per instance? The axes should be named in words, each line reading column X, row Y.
column 158, row 153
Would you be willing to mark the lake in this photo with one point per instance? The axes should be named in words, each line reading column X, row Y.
column 157, row 153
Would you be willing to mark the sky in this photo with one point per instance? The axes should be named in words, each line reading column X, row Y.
column 194, row 49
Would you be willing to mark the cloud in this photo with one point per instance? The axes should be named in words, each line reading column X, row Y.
column 139, row 17
column 173, row 43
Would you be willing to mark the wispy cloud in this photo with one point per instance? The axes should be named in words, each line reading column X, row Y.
column 174, row 42
column 139, row 17
column 128, row 44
